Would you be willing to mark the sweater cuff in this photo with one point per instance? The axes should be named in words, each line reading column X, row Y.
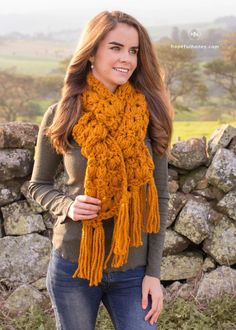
column 153, row 271
column 63, row 217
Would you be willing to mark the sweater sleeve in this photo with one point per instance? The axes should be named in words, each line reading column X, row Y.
column 41, row 187
column 156, row 241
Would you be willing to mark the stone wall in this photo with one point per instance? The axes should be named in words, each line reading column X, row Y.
column 200, row 245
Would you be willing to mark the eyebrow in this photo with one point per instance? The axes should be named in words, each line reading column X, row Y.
column 118, row 44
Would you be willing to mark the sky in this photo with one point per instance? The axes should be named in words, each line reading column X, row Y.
column 164, row 12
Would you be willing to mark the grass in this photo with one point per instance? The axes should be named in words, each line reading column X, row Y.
column 189, row 129
column 178, row 315
column 31, row 66
column 34, row 56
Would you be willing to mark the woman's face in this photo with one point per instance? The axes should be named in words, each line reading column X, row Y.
column 116, row 57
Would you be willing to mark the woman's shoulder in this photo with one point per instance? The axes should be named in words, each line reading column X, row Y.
column 50, row 112
column 49, row 115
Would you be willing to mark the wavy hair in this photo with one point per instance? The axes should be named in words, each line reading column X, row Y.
column 148, row 78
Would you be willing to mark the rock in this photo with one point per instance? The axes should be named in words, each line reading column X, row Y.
column 202, row 184
column 181, row 266
column 23, row 298
column 220, row 281
column 172, row 174
column 192, row 221
column 15, row 163
column 171, row 291
column 222, row 171
column 173, row 186
column 176, row 203
column 189, row 181
column 174, row 287
column 189, row 154
column 232, row 145
column 24, row 259
column 221, row 245
column 19, row 219
column 40, row 284
column 49, row 220
column 214, row 217
column 209, row 193
column 186, row 291
column 9, row 192
column 1, row 226
column 60, row 182
column 35, row 207
column 174, row 243
column 220, row 138
column 227, row 204
column 18, row 135
column 209, row 264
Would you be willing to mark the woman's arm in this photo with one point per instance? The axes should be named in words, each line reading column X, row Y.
column 151, row 283
column 156, row 241
column 41, row 187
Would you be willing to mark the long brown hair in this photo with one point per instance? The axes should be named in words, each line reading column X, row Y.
column 147, row 78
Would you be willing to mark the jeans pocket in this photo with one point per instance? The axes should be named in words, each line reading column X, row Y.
column 61, row 268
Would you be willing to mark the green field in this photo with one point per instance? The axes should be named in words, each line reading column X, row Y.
column 188, row 129
column 29, row 65
column 34, row 56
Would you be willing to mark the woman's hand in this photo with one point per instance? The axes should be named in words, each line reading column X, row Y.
column 84, row 208
column 151, row 285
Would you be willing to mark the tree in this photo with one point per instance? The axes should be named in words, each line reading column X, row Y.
column 20, row 95
column 49, row 87
column 228, row 47
column 223, row 71
column 175, row 35
column 17, row 93
column 182, row 75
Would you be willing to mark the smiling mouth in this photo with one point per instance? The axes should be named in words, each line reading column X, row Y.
column 124, row 70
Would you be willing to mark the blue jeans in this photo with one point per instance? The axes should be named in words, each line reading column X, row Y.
column 76, row 304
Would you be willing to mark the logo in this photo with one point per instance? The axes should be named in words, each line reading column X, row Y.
column 194, row 34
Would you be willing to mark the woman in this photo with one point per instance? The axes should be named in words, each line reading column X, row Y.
column 112, row 129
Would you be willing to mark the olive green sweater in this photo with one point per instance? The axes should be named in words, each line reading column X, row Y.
column 66, row 232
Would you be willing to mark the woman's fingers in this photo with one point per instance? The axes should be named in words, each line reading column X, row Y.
column 89, row 207
column 157, row 313
column 81, row 211
column 88, row 199
column 84, row 217
column 84, row 208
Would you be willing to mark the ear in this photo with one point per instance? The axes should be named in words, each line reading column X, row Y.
column 91, row 59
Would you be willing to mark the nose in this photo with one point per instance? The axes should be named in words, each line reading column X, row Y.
column 124, row 57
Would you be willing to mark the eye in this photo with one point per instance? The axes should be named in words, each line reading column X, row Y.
column 116, row 48
column 133, row 51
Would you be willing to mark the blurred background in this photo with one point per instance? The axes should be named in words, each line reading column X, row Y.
column 195, row 43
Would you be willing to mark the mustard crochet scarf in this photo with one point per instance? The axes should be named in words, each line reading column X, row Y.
column 111, row 132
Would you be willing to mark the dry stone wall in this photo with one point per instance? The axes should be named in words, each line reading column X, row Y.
column 201, row 231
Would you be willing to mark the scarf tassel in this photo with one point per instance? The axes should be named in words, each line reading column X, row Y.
column 121, row 234
column 136, row 212
column 152, row 223
column 92, row 253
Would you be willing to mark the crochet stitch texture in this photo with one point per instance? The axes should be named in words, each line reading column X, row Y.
column 111, row 132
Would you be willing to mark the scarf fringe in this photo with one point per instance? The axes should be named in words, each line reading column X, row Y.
column 84, row 261
column 127, row 232
column 136, row 204
column 98, row 254
column 121, row 234
column 152, row 223
column 92, row 253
